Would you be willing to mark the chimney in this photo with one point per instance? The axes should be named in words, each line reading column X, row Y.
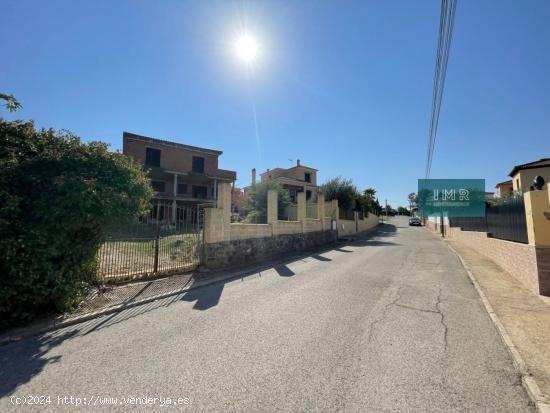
column 297, row 162
column 253, row 176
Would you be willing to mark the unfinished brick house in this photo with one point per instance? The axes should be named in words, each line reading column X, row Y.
column 182, row 175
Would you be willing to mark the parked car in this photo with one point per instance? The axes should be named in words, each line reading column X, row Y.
column 415, row 221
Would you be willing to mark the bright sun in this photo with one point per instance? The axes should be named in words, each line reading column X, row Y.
column 247, row 48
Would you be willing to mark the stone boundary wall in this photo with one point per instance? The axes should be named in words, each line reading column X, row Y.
column 347, row 227
column 230, row 244
column 312, row 225
column 242, row 231
column 236, row 253
column 369, row 222
column 287, row 227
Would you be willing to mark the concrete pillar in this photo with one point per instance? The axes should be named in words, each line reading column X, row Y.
column 301, row 198
column 217, row 221
column 537, row 213
column 224, row 197
column 335, row 213
column 321, row 210
column 174, row 203
column 272, row 210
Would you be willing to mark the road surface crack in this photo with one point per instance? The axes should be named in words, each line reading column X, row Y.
column 383, row 316
column 443, row 323
column 423, row 310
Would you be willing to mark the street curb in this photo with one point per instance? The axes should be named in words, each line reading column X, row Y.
column 51, row 325
column 46, row 326
column 527, row 379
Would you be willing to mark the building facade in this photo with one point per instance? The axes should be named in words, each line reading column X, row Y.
column 523, row 175
column 297, row 179
column 504, row 188
column 180, row 174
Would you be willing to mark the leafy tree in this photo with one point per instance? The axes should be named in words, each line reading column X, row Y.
column 11, row 104
column 368, row 202
column 341, row 189
column 256, row 202
column 58, row 198
column 403, row 211
column 413, row 199
column 388, row 210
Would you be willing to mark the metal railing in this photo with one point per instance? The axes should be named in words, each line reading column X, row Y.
column 168, row 239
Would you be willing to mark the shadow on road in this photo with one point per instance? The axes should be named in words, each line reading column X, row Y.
column 283, row 270
column 21, row 361
column 206, row 297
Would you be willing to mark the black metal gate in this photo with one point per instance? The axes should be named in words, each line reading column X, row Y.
column 503, row 220
column 169, row 239
column 507, row 220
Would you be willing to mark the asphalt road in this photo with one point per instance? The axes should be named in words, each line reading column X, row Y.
column 387, row 323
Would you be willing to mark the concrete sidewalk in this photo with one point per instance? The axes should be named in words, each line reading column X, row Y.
column 524, row 315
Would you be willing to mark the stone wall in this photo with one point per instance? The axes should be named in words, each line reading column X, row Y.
column 236, row 253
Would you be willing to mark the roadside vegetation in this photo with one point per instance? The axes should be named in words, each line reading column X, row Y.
column 349, row 197
column 58, row 199
column 256, row 204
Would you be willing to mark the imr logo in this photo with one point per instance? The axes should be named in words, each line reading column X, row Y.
column 450, row 194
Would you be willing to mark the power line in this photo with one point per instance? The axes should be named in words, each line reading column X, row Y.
column 446, row 24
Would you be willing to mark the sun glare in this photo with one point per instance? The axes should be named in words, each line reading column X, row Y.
column 247, row 48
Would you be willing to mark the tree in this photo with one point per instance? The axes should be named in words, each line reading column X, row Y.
column 368, row 202
column 58, row 198
column 413, row 199
column 256, row 202
column 388, row 210
column 341, row 189
column 11, row 104
column 403, row 211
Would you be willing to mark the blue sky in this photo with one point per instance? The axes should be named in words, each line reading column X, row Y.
column 345, row 86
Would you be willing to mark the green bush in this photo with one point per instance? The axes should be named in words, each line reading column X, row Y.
column 341, row 189
column 256, row 203
column 58, row 197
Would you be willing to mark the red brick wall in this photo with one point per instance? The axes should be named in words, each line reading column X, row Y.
column 171, row 158
column 520, row 260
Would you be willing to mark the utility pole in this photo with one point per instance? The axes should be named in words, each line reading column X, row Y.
column 386, row 209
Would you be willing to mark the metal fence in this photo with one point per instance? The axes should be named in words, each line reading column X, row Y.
column 505, row 220
column 469, row 223
column 168, row 239
column 312, row 210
